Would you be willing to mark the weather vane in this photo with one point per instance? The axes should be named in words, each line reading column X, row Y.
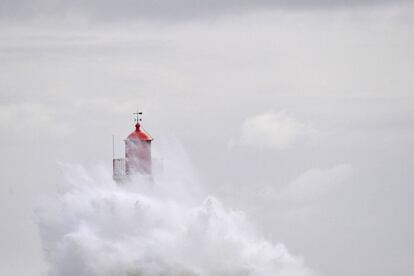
column 137, row 118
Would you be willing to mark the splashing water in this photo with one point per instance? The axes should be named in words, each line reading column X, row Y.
column 160, row 227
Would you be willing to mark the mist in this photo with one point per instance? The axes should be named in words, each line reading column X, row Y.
column 295, row 119
column 159, row 225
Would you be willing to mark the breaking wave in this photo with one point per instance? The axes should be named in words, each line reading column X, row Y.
column 160, row 226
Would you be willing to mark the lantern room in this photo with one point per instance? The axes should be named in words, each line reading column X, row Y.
column 138, row 152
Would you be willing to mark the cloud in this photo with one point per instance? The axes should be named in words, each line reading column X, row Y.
column 276, row 131
column 316, row 183
column 29, row 119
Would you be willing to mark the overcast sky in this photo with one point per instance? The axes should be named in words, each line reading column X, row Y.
column 298, row 112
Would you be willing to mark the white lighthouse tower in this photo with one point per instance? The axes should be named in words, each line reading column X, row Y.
column 137, row 154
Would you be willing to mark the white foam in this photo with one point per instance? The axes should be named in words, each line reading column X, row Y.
column 160, row 227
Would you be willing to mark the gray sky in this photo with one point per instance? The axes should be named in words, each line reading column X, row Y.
column 298, row 112
column 167, row 10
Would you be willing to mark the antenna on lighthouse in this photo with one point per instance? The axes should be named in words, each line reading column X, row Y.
column 113, row 146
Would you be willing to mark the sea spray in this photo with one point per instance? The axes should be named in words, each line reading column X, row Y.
column 151, row 226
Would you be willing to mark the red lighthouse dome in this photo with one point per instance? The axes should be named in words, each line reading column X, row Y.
column 139, row 134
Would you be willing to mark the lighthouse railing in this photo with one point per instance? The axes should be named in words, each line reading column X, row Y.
column 119, row 171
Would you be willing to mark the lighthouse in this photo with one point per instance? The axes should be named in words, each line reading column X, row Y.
column 138, row 158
